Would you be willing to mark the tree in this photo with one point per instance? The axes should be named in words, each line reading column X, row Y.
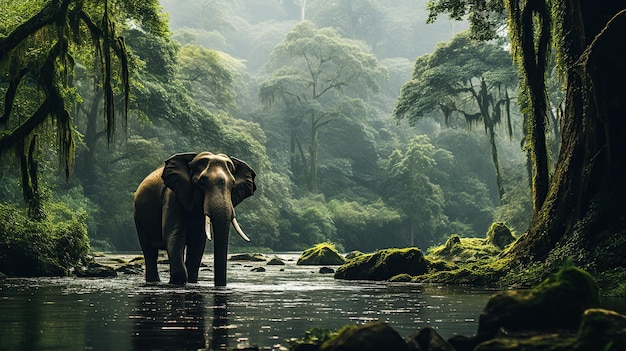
column 57, row 34
column 582, row 213
column 419, row 199
column 315, row 70
column 466, row 78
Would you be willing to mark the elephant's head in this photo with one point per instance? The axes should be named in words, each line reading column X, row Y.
column 213, row 184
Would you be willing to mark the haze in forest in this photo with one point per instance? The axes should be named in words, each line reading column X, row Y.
column 311, row 105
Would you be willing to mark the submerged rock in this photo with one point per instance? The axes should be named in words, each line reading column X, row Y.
column 374, row 336
column 276, row 262
column 254, row 257
column 326, row 270
column 321, row 254
column 384, row 264
column 95, row 270
column 257, row 269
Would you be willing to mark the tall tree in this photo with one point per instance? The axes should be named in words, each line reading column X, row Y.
column 56, row 34
column 315, row 72
column 582, row 212
column 464, row 78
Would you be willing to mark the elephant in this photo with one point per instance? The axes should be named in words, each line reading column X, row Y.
column 177, row 205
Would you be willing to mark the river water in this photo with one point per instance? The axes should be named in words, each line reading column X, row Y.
column 256, row 309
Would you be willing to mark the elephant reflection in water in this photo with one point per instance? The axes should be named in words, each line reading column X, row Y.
column 169, row 322
column 176, row 321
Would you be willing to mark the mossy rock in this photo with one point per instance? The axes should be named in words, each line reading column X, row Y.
column 253, row 257
column 321, row 254
column 601, row 328
column 367, row 337
column 401, row 278
column 556, row 303
column 353, row 254
column 275, row 262
column 384, row 264
column 499, row 235
column 457, row 249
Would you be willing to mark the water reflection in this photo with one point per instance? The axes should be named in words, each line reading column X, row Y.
column 169, row 321
column 219, row 335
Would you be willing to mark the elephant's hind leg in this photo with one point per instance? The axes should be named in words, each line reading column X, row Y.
column 150, row 254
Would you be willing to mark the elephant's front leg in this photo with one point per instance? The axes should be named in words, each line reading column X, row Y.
column 196, row 241
column 174, row 236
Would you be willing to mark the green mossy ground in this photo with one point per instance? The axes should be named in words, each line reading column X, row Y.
column 321, row 254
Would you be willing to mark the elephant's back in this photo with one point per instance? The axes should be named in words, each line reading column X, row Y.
column 147, row 202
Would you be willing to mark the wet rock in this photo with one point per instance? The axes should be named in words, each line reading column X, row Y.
column 258, row 269
column 553, row 307
column 499, row 235
column 326, row 270
column 353, row 254
column 275, row 262
column 601, row 329
column 556, row 303
column 368, row 337
column 254, row 257
column 321, row 254
column 401, row 278
column 427, row 339
column 130, row 269
column 384, row 264
column 95, row 270
column 3, row 276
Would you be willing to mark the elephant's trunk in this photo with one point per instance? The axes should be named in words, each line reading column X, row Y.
column 218, row 214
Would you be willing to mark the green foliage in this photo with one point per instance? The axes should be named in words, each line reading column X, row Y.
column 41, row 248
column 420, row 200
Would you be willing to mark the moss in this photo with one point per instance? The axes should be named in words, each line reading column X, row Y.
column 557, row 302
column 353, row 254
column 458, row 249
column 321, row 254
column 40, row 248
column 384, row 264
column 499, row 235
column 401, row 278
column 613, row 282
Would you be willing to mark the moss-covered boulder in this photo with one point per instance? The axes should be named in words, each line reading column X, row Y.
column 427, row 339
column 555, row 304
column 457, row 249
column 374, row 336
column 353, row 254
column 499, row 235
column 384, row 264
column 601, row 330
column 321, row 254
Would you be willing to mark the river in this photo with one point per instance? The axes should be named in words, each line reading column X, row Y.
column 261, row 309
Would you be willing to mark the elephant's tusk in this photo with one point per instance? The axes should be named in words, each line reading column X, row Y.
column 207, row 226
column 239, row 231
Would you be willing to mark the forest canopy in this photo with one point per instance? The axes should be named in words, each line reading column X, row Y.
column 308, row 104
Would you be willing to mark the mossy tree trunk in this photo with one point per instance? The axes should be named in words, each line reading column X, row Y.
column 583, row 215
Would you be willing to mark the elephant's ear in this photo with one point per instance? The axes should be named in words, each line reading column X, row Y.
column 244, row 181
column 177, row 177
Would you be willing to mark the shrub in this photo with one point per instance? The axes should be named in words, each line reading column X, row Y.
column 40, row 248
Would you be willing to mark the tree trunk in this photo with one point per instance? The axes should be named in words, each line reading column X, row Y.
column 582, row 216
column 313, row 175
